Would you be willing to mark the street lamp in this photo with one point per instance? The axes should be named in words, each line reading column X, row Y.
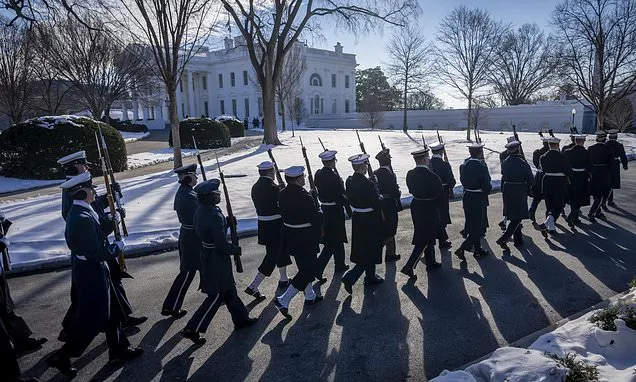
column 573, row 114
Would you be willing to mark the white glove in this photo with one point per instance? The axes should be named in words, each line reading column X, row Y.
column 5, row 241
column 116, row 217
column 120, row 244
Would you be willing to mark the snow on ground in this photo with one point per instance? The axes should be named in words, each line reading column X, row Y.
column 613, row 353
column 37, row 235
column 132, row 137
column 15, row 184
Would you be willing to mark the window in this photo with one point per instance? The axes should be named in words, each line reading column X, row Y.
column 234, row 112
column 315, row 80
column 346, row 82
column 205, row 82
column 334, row 106
column 322, row 106
column 333, row 80
column 260, row 106
column 245, row 77
column 347, row 107
column 220, row 81
column 232, row 80
column 205, row 108
column 317, row 105
column 152, row 112
column 247, row 106
column 181, row 86
column 222, row 103
column 182, row 110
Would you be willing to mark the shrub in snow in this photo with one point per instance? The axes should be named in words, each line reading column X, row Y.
column 128, row 126
column 578, row 371
column 605, row 318
column 30, row 150
column 208, row 133
column 236, row 128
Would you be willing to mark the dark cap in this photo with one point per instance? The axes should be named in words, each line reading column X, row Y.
column 383, row 155
column 190, row 169
column 207, row 187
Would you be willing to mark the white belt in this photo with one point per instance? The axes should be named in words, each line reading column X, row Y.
column 473, row 190
column 617, row 158
column 579, row 169
column 208, row 245
column 515, row 183
column 304, row 225
column 363, row 210
column 268, row 218
column 83, row 258
column 329, row 203
column 186, row 226
column 416, row 198
column 554, row 174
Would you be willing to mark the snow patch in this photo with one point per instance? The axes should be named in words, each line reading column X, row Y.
column 48, row 122
column 132, row 137
column 15, row 184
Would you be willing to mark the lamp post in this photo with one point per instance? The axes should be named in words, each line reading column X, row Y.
column 573, row 114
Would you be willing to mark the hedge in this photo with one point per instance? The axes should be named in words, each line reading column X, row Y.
column 237, row 129
column 128, row 126
column 30, row 149
column 208, row 133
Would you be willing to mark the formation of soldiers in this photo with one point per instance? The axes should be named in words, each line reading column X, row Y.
column 292, row 224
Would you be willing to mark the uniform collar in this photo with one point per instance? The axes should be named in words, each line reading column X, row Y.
column 267, row 177
column 387, row 167
column 422, row 165
column 90, row 209
column 437, row 156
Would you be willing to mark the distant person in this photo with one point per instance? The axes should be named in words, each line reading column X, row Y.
column 444, row 170
column 255, row 122
column 618, row 158
column 579, row 159
column 556, row 172
column 391, row 202
column 246, row 123
column 538, row 179
column 601, row 158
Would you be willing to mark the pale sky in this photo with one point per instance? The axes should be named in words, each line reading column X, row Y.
column 370, row 49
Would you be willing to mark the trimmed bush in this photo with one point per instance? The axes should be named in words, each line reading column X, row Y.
column 30, row 149
column 236, row 128
column 128, row 126
column 209, row 133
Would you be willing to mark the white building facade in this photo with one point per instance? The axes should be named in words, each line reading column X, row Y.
column 223, row 82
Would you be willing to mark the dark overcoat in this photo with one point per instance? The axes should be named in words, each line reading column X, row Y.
column 298, row 209
column 516, row 183
column 216, row 272
column 186, row 203
column 428, row 199
column 265, row 198
column 474, row 176
column 579, row 160
column 601, row 158
column 445, row 172
column 391, row 203
column 367, row 232
column 555, row 178
column 538, row 176
column 331, row 193
column 619, row 158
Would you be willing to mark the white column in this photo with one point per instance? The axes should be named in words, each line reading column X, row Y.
column 190, row 95
column 135, row 106
column 210, row 95
column 124, row 111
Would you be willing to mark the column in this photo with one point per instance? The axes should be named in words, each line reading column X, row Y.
column 135, row 106
column 211, row 103
column 190, row 95
column 124, row 111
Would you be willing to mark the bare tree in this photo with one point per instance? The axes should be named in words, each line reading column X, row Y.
column 524, row 64
column 299, row 111
column 271, row 28
column 95, row 63
column 17, row 54
column 621, row 114
column 409, row 63
column 466, row 44
column 174, row 31
column 598, row 50
column 424, row 100
column 294, row 67
column 53, row 95
column 372, row 112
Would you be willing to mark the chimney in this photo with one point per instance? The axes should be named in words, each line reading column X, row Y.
column 338, row 48
column 229, row 43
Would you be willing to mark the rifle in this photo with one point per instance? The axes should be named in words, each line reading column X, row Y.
column 322, row 144
column 381, row 143
column 423, row 140
column 439, row 138
column 310, row 176
column 199, row 159
column 232, row 220
column 551, row 132
column 111, row 206
column 514, row 133
column 478, row 136
column 369, row 169
column 279, row 178
column 6, row 258
column 111, row 175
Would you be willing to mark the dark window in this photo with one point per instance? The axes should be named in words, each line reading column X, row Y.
column 221, row 81
column 315, row 80
column 347, row 106
column 347, row 82
column 205, row 107
column 234, row 113
column 247, row 106
column 245, row 77
column 333, row 80
column 232, row 80
column 222, row 107
column 205, row 82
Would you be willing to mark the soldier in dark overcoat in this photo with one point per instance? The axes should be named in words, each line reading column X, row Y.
column 537, row 196
column 265, row 198
column 217, row 278
column 556, row 172
column 619, row 158
column 475, row 177
column 579, row 160
column 302, row 223
column 516, row 183
column 601, row 158
column 391, row 202
column 367, row 231
column 334, row 203
column 428, row 199
column 185, row 204
column 444, row 171
column 95, row 309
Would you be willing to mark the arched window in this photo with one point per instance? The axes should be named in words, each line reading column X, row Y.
column 315, row 80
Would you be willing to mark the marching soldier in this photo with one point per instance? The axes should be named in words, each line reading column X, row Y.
column 333, row 202
column 185, row 204
column 391, row 202
column 571, row 144
column 538, row 179
column 618, row 158
column 217, row 279
column 301, row 238
column 265, row 198
column 444, row 171
column 475, row 177
column 516, row 182
column 76, row 164
column 502, row 157
column 601, row 158
column 367, row 232
column 556, row 172
column 96, row 302
column 428, row 201
column 579, row 160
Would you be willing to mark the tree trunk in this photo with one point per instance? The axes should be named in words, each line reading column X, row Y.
column 270, row 134
column 404, row 125
column 282, row 114
column 470, row 115
column 600, row 121
column 173, row 116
